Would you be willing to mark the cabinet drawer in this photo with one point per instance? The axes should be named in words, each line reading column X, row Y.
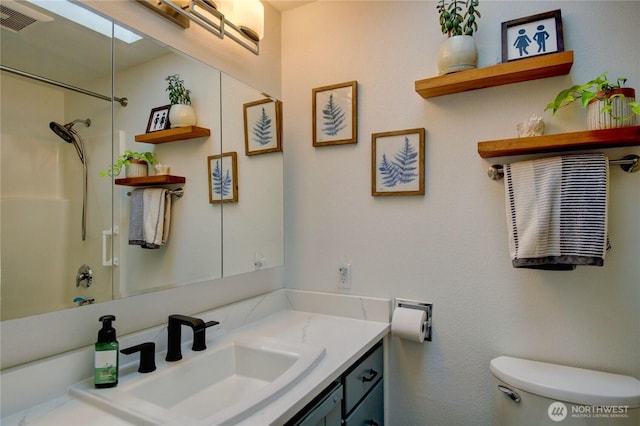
column 366, row 373
column 371, row 411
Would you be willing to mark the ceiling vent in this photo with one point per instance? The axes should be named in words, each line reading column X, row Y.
column 16, row 16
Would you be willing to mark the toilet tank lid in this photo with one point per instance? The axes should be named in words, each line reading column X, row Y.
column 568, row 384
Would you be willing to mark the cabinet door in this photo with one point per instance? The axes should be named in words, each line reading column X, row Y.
column 326, row 412
column 370, row 412
column 362, row 378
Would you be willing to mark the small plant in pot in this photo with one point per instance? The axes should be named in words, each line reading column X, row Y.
column 135, row 164
column 608, row 103
column 458, row 21
column 181, row 113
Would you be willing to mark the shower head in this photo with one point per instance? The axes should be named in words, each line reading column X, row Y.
column 64, row 131
column 67, row 134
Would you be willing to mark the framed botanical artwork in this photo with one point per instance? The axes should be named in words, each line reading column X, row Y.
column 223, row 178
column 397, row 163
column 262, row 126
column 158, row 119
column 335, row 114
column 533, row 35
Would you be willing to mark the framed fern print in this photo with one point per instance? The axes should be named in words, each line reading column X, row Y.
column 335, row 114
column 397, row 163
column 223, row 178
column 262, row 126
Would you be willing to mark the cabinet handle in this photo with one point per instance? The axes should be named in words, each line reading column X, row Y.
column 372, row 375
column 372, row 423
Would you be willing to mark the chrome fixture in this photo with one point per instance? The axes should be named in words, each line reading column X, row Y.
column 84, row 276
column 240, row 20
column 178, row 192
column 174, row 352
column 122, row 101
column 628, row 163
column 421, row 306
column 69, row 135
column 82, row 301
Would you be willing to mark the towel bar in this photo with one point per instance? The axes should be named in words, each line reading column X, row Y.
column 179, row 192
column 629, row 163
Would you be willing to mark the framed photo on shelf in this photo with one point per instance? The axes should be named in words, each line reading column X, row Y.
column 223, row 178
column 533, row 35
column 397, row 162
column 262, row 126
column 158, row 119
column 335, row 114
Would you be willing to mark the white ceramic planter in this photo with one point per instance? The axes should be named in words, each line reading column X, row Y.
column 136, row 169
column 457, row 53
column 182, row 116
column 598, row 120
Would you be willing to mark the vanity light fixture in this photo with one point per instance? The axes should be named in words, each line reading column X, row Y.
column 240, row 20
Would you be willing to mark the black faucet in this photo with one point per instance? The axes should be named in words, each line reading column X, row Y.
column 147, row 356
column 176, row 322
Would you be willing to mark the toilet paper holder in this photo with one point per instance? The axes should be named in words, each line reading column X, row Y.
column 422, row 306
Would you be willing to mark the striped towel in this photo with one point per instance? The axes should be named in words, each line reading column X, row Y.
column 149, row 217
column 557, row 211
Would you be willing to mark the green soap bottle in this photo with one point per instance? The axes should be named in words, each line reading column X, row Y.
column 106, row 355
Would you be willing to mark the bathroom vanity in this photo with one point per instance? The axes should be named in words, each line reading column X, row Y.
column 349, row 330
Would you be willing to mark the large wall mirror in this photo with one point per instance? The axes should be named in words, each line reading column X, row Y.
column 43, row 196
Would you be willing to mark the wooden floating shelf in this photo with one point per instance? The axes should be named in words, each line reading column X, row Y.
column 591, row 139
column 496, row 75
column 151, row 180
column 173, row 135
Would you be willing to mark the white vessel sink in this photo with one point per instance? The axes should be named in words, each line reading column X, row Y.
column 222, row 385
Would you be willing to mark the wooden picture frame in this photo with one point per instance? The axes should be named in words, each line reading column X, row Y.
column 158, row 119
column 262, row 126
column 335, row 114
column 223, row 178
column 534, row 35
column 397, row 163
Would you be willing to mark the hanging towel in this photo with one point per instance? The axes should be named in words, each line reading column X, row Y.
column 150, row 217
column 557, row 211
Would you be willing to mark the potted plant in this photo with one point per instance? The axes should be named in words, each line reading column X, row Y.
column 458, row 21
column 181, row 113
column 135, row 164
column 608, row 103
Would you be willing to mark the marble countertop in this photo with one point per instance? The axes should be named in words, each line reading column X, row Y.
column 344, row 338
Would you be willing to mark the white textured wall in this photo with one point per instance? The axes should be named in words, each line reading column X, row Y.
column 449, row 247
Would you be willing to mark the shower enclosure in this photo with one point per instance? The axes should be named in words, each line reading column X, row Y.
column 53, row 204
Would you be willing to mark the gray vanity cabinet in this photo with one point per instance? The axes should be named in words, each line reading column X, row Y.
column 363, row 390
column 355, row 399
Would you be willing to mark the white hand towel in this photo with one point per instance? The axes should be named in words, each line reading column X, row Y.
column 154, row 201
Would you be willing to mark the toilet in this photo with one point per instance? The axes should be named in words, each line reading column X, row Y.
column 537, row 393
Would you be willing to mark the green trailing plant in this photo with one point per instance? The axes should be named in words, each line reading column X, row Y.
column 178, row 94
column 125, row 160
column 452, row 20
column 600, row 88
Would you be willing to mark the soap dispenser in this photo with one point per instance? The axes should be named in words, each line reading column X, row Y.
column 106, row 355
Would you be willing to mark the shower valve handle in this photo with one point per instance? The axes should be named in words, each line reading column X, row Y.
column 84, row 274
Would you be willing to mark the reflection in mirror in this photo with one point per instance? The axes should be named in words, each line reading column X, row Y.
column 193, row 251
column 42, row 172
column 44, row 260
column 253, row 231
